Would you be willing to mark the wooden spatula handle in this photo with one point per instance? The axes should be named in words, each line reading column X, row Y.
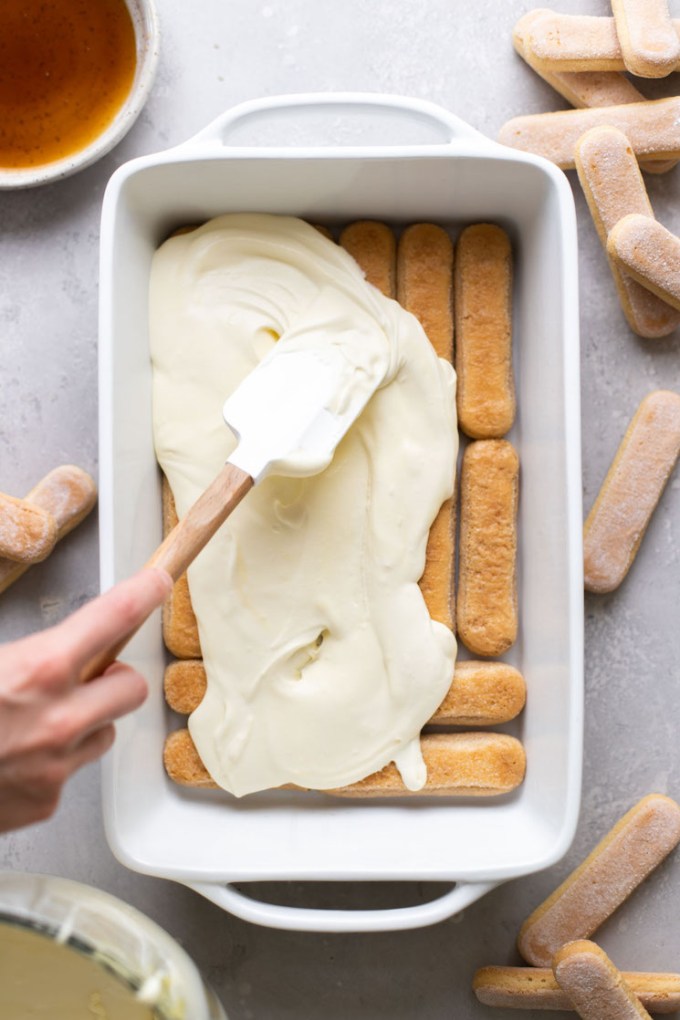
column 200, row 523
column 185, row 542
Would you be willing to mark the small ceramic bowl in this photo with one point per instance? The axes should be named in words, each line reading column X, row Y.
column 145, row 22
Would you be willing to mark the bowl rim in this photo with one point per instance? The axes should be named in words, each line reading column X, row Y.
column 145, row 23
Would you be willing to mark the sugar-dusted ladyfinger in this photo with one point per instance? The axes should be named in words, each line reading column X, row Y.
column 536, row 988
column 580, row 88
column 458, row 765
column 649, row 42
column 27, row 533
column 180, row 629
column 649, row 253
column 575, row 42
column 424, row 288
column 482, row 693
column 483, row 327
column 614, row 188
column 486, row 608
column 374, row 247
column 595, row 986
column 630, row 492
column 68, row 494
column 628, row 853
column 653, row 128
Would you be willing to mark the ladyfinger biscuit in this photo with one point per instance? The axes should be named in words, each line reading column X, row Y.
column 180, row 629
column 184, row 685
column 594, row 985
column 68, row 494
column 619, row 517
column 574, row 42
column 374, row 247
column 27, row 533
column 424, row 288
column 458, row 765
column 636, row 845
column 487, row 590
column 581, row 88
column 324, row 231
column 613, row 188
column 652, row 127
column 649, row 43
column 536, row 988
column 483, row 327
column 649, row 253
column 482, row 693
column 424, row 282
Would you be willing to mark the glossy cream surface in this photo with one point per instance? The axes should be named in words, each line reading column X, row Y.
column 322, row 661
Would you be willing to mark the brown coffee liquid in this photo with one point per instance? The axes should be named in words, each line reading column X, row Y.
column 66, row 68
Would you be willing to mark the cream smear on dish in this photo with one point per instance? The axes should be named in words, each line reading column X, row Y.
column 322, row 661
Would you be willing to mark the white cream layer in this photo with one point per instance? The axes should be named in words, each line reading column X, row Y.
column 322, row 661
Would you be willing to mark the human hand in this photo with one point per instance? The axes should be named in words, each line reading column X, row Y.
column 50, row 723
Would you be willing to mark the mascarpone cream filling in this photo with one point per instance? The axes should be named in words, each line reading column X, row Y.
column 322, row 661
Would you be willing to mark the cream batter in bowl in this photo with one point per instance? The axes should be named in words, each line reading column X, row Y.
column 71, row 952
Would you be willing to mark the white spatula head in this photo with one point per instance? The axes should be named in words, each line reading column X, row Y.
column 290, row 412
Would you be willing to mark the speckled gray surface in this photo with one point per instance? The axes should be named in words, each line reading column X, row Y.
column 215, row 54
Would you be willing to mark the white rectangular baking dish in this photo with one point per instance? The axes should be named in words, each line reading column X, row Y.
column 455, row 177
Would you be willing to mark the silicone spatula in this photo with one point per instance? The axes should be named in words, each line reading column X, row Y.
column 288, row 415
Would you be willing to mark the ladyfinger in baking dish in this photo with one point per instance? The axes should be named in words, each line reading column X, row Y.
column 474, row 764
column 374, row 246
column 485, row 396
column 486, row 609
column 180, row 629
column 482, row 693
column 424, row 288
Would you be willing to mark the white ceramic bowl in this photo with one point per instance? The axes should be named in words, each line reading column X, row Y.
column 210, row 840
column 145, row 22
column 132, row 945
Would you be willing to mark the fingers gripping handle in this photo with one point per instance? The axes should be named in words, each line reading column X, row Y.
column 185, row 542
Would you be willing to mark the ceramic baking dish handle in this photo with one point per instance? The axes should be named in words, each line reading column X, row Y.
column 272, row 915
column 444, row 128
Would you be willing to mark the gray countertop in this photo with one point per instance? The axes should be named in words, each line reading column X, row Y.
column 215, row 54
